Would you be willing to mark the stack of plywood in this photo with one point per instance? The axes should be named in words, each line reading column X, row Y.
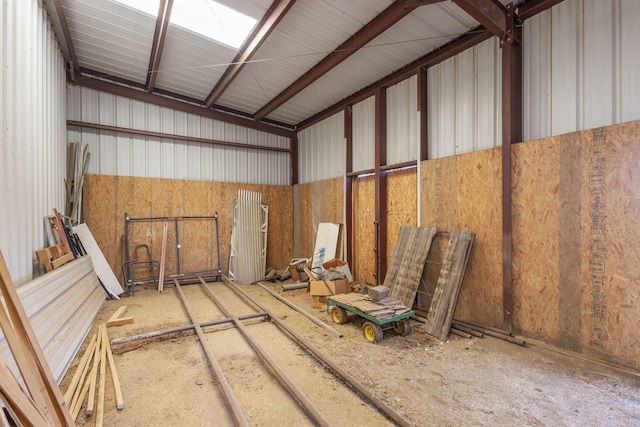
column 382, row 309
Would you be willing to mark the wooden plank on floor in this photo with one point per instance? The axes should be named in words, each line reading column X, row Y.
column 449, row 283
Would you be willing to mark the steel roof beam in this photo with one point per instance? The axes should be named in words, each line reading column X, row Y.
column 75, row 68
column 378, row 25
column 162, row 24
column 492, row 15
column 271, row 19
column 144, row 96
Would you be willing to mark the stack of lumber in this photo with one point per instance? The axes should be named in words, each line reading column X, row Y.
column 381, row 309
column 91, row 373
column 407, row 263
column 445, row 297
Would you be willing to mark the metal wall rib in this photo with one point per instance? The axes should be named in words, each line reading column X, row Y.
column 32, row 133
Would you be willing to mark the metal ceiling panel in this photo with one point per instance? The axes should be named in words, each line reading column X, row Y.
column 111, row 38
column 310, row 31
column 191, row 64
column 417, row 34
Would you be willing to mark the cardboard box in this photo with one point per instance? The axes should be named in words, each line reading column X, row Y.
column 318, row 287
column 317, row 301
column 339, row 265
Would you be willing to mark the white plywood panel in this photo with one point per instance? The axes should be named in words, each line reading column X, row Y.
column 100, row 263
column 402, row 121
column 364, row 134
column 32, row 158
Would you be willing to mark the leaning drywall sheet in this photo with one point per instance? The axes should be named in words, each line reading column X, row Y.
column 326, row 245
column 61, row 306
column 101, row 266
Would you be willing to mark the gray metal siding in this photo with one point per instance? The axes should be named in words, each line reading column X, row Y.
column 402, row 121
column 322, row 150
column 115, row 153
column 364, row 134
column 582, row 67
column 32, row 133
column 464, row 101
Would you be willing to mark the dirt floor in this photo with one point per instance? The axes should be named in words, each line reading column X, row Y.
column 480, row 381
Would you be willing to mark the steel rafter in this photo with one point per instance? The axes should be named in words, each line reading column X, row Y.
column 378, row 25
column 162, row 24
column 75, row 67
column 271, row 19
column 492, row 15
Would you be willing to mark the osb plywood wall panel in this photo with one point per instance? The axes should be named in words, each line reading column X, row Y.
column 107, row 198
column 582, row 275
column 321, row 201
column 535, row 211
column 402, row 205
column 464, row 192
column 364, row 238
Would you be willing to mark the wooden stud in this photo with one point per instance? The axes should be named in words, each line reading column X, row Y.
column 102, row 330
column 79, row 370
column 43, row 388
column 121, row 321
column 163, row 257
column 94, row 376
column 114, row 373
column 20, row 403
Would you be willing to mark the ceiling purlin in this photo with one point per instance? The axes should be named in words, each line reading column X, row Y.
column 162, row 24
column 491, row 14
column 378, row 25
column 75, row 67
column 267, row 24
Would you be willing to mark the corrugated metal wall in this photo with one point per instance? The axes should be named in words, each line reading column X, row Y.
column 464, row 101
column 402, row 121
column 32, row 132
column 364, row 134
column 582, row 67
column 322, row 150
column 114, row 153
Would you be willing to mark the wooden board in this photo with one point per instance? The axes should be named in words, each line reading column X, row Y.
column 383, row 309
column 364, row 265
column 446, row 294
column 407, row 263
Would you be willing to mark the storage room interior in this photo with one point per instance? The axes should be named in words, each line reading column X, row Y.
column 169, row 202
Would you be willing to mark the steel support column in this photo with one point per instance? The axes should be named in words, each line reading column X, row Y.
column 511, row 133
column 381, row 183
column 348, row 194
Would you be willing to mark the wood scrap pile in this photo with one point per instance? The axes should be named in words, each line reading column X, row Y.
column 382, row 309
column 91, row 374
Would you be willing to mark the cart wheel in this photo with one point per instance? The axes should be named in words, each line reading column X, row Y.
column 339, row 315
column 372, row 332
column 402, row 327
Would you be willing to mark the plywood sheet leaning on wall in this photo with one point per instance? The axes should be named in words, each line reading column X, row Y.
column 464, row 192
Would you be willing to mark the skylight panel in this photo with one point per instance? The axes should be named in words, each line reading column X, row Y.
column 212, row 20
